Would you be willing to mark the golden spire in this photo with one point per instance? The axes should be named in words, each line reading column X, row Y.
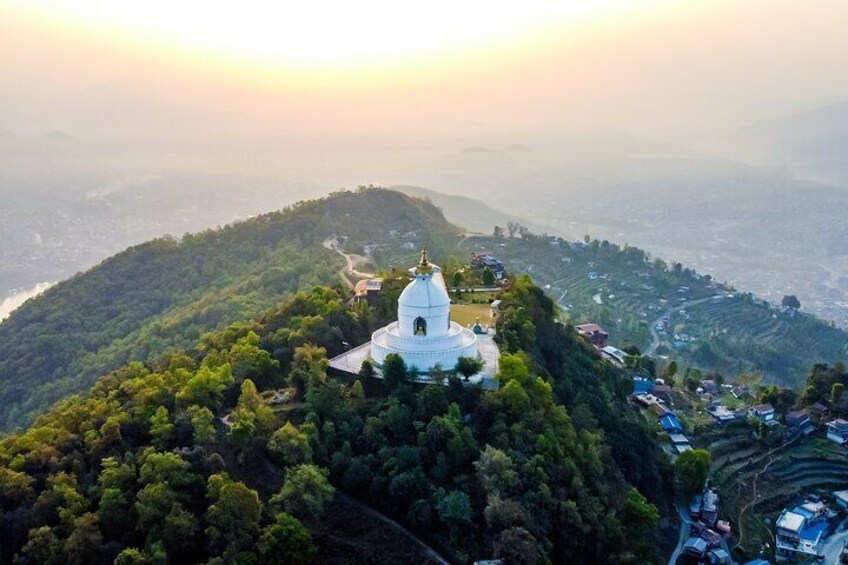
column 424, row 261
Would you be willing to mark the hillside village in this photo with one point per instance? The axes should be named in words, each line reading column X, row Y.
column 755, row 433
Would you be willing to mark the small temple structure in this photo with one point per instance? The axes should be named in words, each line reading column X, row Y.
column 423, row 334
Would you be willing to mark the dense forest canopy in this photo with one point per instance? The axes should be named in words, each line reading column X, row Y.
column 181, row 459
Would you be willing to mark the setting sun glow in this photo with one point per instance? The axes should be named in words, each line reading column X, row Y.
column 332, row 36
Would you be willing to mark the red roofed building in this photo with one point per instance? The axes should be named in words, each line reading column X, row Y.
column 594, row 333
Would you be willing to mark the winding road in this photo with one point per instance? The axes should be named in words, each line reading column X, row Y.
column 351, row 259
column 685, row 528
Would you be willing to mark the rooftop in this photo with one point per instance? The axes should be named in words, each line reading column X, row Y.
column 813, row 532
column 840, row 424
column 589, row 328
column 696, row 544
column 841, row 495
column 790, row 521
column 796, row 415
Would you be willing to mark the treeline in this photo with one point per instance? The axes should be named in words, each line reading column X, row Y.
column 181, row 459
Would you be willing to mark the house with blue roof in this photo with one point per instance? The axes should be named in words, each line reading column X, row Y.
column 670, row 423
column 800, row 531
column 641, row 386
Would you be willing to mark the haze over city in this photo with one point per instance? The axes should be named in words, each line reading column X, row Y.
column 131, row 110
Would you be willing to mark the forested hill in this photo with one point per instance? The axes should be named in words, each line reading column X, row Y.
column 189, row 460
column 168, row 292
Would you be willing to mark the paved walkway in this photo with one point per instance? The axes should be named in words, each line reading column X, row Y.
column 434, row 555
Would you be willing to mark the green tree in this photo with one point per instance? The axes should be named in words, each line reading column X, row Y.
column 202, row 422
column 305, row 492
column 289, row 446
column 43, row 547
column 457, row 279
column 455, row 511
column 638, row 515
column 309, row 368
column 251, row 361
column 468, row 366
column 394, row 370
column 488, row 277
column 161, row 428
column 85, row 543
column 206, row 387
column 496, row 471
column 15, row 487
column 116, row 511
column 233, row 517
column 367, row 370
column 153, row 503
column 287, row 542
column 131, row 556
column 791, row 301
column 670, row 370
column 836, row 392
column 692, row 468
column 251, row 416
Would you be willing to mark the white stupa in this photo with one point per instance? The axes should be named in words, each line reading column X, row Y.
column 423, row 334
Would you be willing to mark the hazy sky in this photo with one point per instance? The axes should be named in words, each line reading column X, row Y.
column 192, row 68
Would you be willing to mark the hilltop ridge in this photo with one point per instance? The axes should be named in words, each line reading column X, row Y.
column 168, row 292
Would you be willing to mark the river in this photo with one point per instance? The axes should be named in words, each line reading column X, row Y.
column 10, row 303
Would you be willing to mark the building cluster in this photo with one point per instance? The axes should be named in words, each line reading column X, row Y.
column 655, row 397
column 800, row 531
column 797, row 422
column 708, row 533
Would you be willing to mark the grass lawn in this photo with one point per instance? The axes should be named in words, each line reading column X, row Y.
column 731, row 401
column 464, row 314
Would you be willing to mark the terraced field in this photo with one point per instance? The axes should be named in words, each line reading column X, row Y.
column 717, row 328
column 756, row 483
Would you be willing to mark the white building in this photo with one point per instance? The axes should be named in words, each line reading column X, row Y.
column 424, row 335
column 837, row 431
column 800, row 531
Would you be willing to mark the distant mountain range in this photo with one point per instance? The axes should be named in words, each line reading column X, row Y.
column 813, row 144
